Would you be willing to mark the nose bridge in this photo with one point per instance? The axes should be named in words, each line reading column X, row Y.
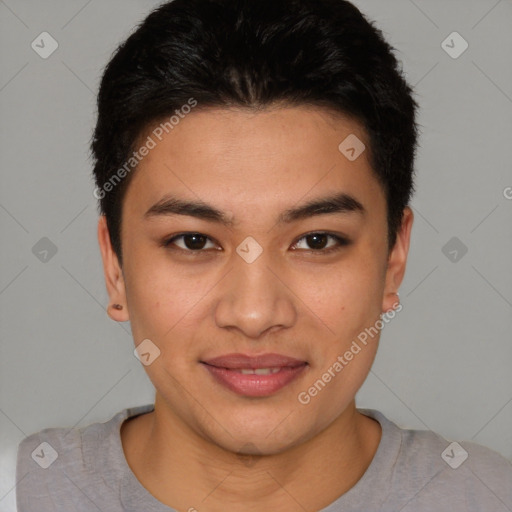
column 253, row 300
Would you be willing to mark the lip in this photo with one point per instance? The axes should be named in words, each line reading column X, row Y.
column 237, row 361
column 226, row 371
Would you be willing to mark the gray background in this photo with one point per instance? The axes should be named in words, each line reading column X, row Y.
column 444, row 362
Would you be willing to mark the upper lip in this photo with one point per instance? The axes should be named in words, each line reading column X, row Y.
column 241, row 361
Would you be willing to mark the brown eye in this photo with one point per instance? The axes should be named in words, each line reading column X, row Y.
column 319, row 242
column 193, row 242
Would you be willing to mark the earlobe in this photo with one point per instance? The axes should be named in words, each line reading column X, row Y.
column 114, row 280
column 391, row 302
column 397, row 262
column 112, row 310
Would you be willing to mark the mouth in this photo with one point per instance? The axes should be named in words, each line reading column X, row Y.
column 254, row 376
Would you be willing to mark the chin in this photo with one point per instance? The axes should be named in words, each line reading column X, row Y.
column 261, row 437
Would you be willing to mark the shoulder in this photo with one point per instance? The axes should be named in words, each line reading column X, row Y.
column 464, row 471
column 61, row 468
column 44, row 461
column 435, row 450
column 48, row 450
column 427, row 468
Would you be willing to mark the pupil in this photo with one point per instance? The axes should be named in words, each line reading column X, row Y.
column 317, row 241
column 195, row 241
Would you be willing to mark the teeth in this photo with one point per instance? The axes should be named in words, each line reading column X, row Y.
column 258, row 371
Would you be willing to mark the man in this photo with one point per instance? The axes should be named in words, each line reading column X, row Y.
column 254, row 166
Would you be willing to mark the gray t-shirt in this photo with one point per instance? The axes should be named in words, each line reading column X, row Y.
column 84, row 470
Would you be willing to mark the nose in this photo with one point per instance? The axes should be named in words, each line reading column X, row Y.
column 255, row 299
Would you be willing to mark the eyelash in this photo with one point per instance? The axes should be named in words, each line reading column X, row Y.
column 340, row 243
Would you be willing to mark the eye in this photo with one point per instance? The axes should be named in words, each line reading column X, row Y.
column 190, row 242
column 319, row 242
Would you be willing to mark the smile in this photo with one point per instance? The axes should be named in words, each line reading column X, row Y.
column 254, row 376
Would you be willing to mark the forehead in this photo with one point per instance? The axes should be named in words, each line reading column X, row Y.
column 241, row 159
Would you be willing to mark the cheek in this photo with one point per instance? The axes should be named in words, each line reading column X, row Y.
column 346, row 296
column 348, row 300
column 159, row 296
column 170, row 306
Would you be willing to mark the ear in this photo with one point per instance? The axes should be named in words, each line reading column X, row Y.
column 114, row 279
column 397, row 261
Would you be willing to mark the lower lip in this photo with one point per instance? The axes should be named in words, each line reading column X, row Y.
column 255, row 385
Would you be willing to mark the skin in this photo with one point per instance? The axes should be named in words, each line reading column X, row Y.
column 291, row 300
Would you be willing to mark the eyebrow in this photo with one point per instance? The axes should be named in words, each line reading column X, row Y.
column 332, row 204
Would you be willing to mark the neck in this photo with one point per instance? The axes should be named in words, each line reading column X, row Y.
column 186, row 471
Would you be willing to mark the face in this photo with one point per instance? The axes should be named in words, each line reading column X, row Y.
column 252, row 234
